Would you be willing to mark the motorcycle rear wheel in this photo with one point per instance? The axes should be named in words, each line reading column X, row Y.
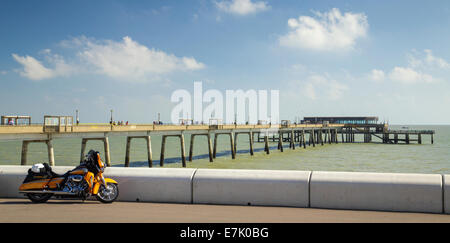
column 39, row 197
column 108, row 194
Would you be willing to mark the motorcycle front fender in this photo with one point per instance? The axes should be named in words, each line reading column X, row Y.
column 97, row 185
column 109, row 180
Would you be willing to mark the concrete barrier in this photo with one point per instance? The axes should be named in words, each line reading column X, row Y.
column 377, row 191
column 251, row 187
column 135, row 184
column 446, row 193
column 428, row 193
column 153, row 184
column 12, row 176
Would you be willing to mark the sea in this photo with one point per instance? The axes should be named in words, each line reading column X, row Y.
column 361, row 157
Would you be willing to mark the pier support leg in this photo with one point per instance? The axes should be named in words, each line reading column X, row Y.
column 183, row 154
column 210, row 153
column 292, row 142
column 279, row 137
column 107, row 154
column 250, row 134
column 191, row 147
column 51, row 155
column 149, row 151
column 23, row 160
column 163, row 146
column 299, row 138
column 233, row 151
column 313, row 133
column 303, row 139
column 83, row 148
column 309, row 138
column 321, row 137
column 215, row 145
column 329, row 136
column 280, row 141
column 266, row 144
column 235, row 141
column 419, row 138
column 127, row 152
column 395, row 138
column 432, row 139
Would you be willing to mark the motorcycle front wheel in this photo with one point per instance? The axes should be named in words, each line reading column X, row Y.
column 108, row 194
column 39, row 197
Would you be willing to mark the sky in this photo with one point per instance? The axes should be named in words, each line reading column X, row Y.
column 389, row 59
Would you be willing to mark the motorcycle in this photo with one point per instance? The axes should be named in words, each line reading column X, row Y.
column 84, row 181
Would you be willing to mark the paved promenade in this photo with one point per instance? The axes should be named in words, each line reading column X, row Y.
column 22, row 210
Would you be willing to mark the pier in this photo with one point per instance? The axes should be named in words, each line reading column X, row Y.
column 310, row 132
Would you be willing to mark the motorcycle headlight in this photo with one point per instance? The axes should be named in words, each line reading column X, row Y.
column 102, row 166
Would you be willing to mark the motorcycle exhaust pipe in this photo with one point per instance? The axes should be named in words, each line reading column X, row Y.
column 52, row 192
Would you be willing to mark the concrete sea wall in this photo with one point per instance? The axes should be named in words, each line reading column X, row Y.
column 429, row 193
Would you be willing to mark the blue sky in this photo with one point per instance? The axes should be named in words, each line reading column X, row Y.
column 384, row 58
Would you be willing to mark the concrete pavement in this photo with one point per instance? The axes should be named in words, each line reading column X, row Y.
column 22, row 210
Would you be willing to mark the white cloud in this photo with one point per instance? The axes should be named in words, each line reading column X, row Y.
column 329, row 31
column 126, row 60
column 309, row 91
column 320, row 87
column 242, row 7
column 377, row 75
column 423, row 67
column 409, row 76
column 428, row 61
column 33, row 69
column 131, row 60
column 191, row 64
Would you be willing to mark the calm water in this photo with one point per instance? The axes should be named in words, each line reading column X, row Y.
column 373, row 157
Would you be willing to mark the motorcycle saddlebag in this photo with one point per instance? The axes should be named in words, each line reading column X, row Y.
column 38, row 172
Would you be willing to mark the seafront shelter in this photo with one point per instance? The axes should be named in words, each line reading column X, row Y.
column 18, row 120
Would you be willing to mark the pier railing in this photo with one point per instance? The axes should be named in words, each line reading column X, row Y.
column 103, row 127
column 411, row 131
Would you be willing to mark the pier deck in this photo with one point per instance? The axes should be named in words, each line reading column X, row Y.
column 23, row 132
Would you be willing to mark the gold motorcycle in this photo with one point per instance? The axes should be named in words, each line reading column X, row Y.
column 84, row 181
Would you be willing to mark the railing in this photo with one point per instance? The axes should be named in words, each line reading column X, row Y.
column 411, row 131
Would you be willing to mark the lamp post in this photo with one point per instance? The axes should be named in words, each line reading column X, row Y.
column 77, row 118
